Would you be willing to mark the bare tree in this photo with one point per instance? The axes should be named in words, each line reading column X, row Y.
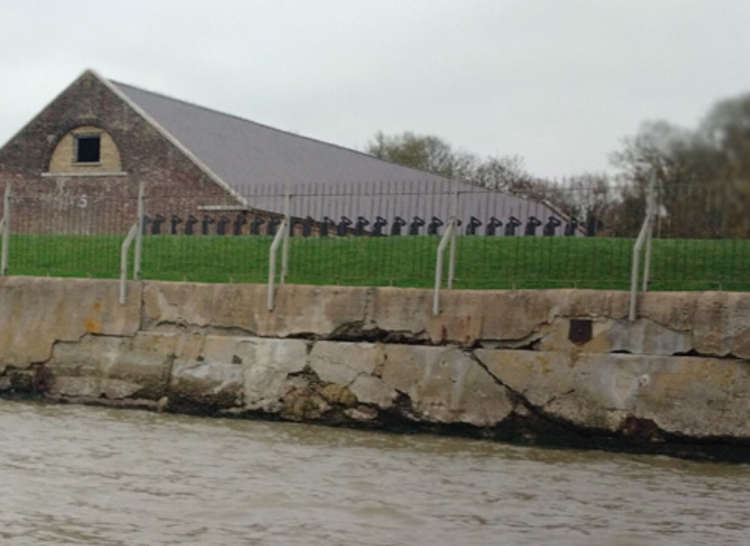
column 432, row 154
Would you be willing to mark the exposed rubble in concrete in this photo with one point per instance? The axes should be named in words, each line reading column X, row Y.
column 551, row 367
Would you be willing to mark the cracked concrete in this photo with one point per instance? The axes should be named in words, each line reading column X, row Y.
column 499, row 364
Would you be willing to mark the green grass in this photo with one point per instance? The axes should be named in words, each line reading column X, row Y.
column 482, row 262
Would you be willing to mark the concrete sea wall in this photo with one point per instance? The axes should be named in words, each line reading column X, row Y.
column 555, row 367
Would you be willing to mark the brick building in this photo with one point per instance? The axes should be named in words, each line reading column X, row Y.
column 81, row 159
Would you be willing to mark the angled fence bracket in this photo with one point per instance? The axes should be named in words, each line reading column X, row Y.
column 5, row 230
column 449, row 236
column 286, row 229
column 135, row 232
column 281, row 234
column 124, row 261
column 644, row 236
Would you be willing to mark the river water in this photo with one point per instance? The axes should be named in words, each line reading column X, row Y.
column 85, row 475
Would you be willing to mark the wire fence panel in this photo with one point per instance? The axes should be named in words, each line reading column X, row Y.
column 207, row 239
column 701, row 239
column 387, row 232
column 68, row 234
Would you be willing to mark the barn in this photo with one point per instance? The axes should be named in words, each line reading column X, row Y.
column 85, row 154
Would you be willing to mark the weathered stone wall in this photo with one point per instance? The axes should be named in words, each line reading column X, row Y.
column 554, row 367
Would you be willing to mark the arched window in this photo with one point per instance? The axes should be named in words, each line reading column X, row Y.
column 85, row 149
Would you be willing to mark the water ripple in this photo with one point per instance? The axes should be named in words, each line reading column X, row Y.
column 81, row 475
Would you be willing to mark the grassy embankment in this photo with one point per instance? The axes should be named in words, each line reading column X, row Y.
column 482, row 262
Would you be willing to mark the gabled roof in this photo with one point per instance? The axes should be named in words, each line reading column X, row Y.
column 244, row 153
column 328, row 180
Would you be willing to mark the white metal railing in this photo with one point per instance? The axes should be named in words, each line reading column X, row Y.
column 644, row 236
column 124, row 261
column 286, row 229
column 5, row 227
column 281, row 237
column 281, row 234
column 134, row 233
column 449, row 237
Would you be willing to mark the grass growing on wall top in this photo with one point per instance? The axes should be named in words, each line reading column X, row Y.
column 482, row 262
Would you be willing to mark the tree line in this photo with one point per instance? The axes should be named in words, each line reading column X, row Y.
column 702, row 175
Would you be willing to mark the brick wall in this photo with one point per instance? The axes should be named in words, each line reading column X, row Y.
column 45, row 201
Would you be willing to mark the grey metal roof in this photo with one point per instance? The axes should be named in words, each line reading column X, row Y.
column 245, row 153
column 328, row 179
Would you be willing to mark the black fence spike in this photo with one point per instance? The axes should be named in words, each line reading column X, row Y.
column 255, row 225
column 471, row 227
column 377, row 227
column 239, row 221
column 492, row 225
column 359, row 227
column 174, row 221
column 205, row 223
column 532, row 222
column 221, row 225
column 189, row 223
column 511, row 225
column 325, row 226
column 571, row 227
column 415, row 225
column 434, row 225
column 397, row 225
column 272, row 225
column 156, row 222
column 307, row 226
column 343, row 227
column 551, row 226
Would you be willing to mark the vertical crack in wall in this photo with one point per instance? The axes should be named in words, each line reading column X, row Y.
column 520, row 399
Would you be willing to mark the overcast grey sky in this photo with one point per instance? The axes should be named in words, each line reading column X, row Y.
column 558, row 82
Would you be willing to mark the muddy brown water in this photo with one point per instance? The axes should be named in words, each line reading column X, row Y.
column 86, row 475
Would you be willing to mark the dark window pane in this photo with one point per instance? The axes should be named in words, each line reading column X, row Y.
column 88, row 149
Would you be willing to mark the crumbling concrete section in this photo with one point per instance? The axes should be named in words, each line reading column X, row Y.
column 561, row 367
column 680, row 395
column 37, row 312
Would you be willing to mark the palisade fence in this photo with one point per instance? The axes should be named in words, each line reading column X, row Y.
column 388, row 233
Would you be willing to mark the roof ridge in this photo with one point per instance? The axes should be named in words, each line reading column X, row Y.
column 171, row 137
column 290, row 133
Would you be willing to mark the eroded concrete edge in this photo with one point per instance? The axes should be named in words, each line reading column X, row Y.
column 181, row 381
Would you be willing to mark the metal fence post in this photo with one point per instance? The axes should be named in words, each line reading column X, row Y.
column 643, row 236
column 272, row 264
column 447, row 236
column 139, row 236
column 647, row 256
column 6, row 231
column 124, row 261
column 286, row 231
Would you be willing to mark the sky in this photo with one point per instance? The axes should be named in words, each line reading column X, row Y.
column 557, row 82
